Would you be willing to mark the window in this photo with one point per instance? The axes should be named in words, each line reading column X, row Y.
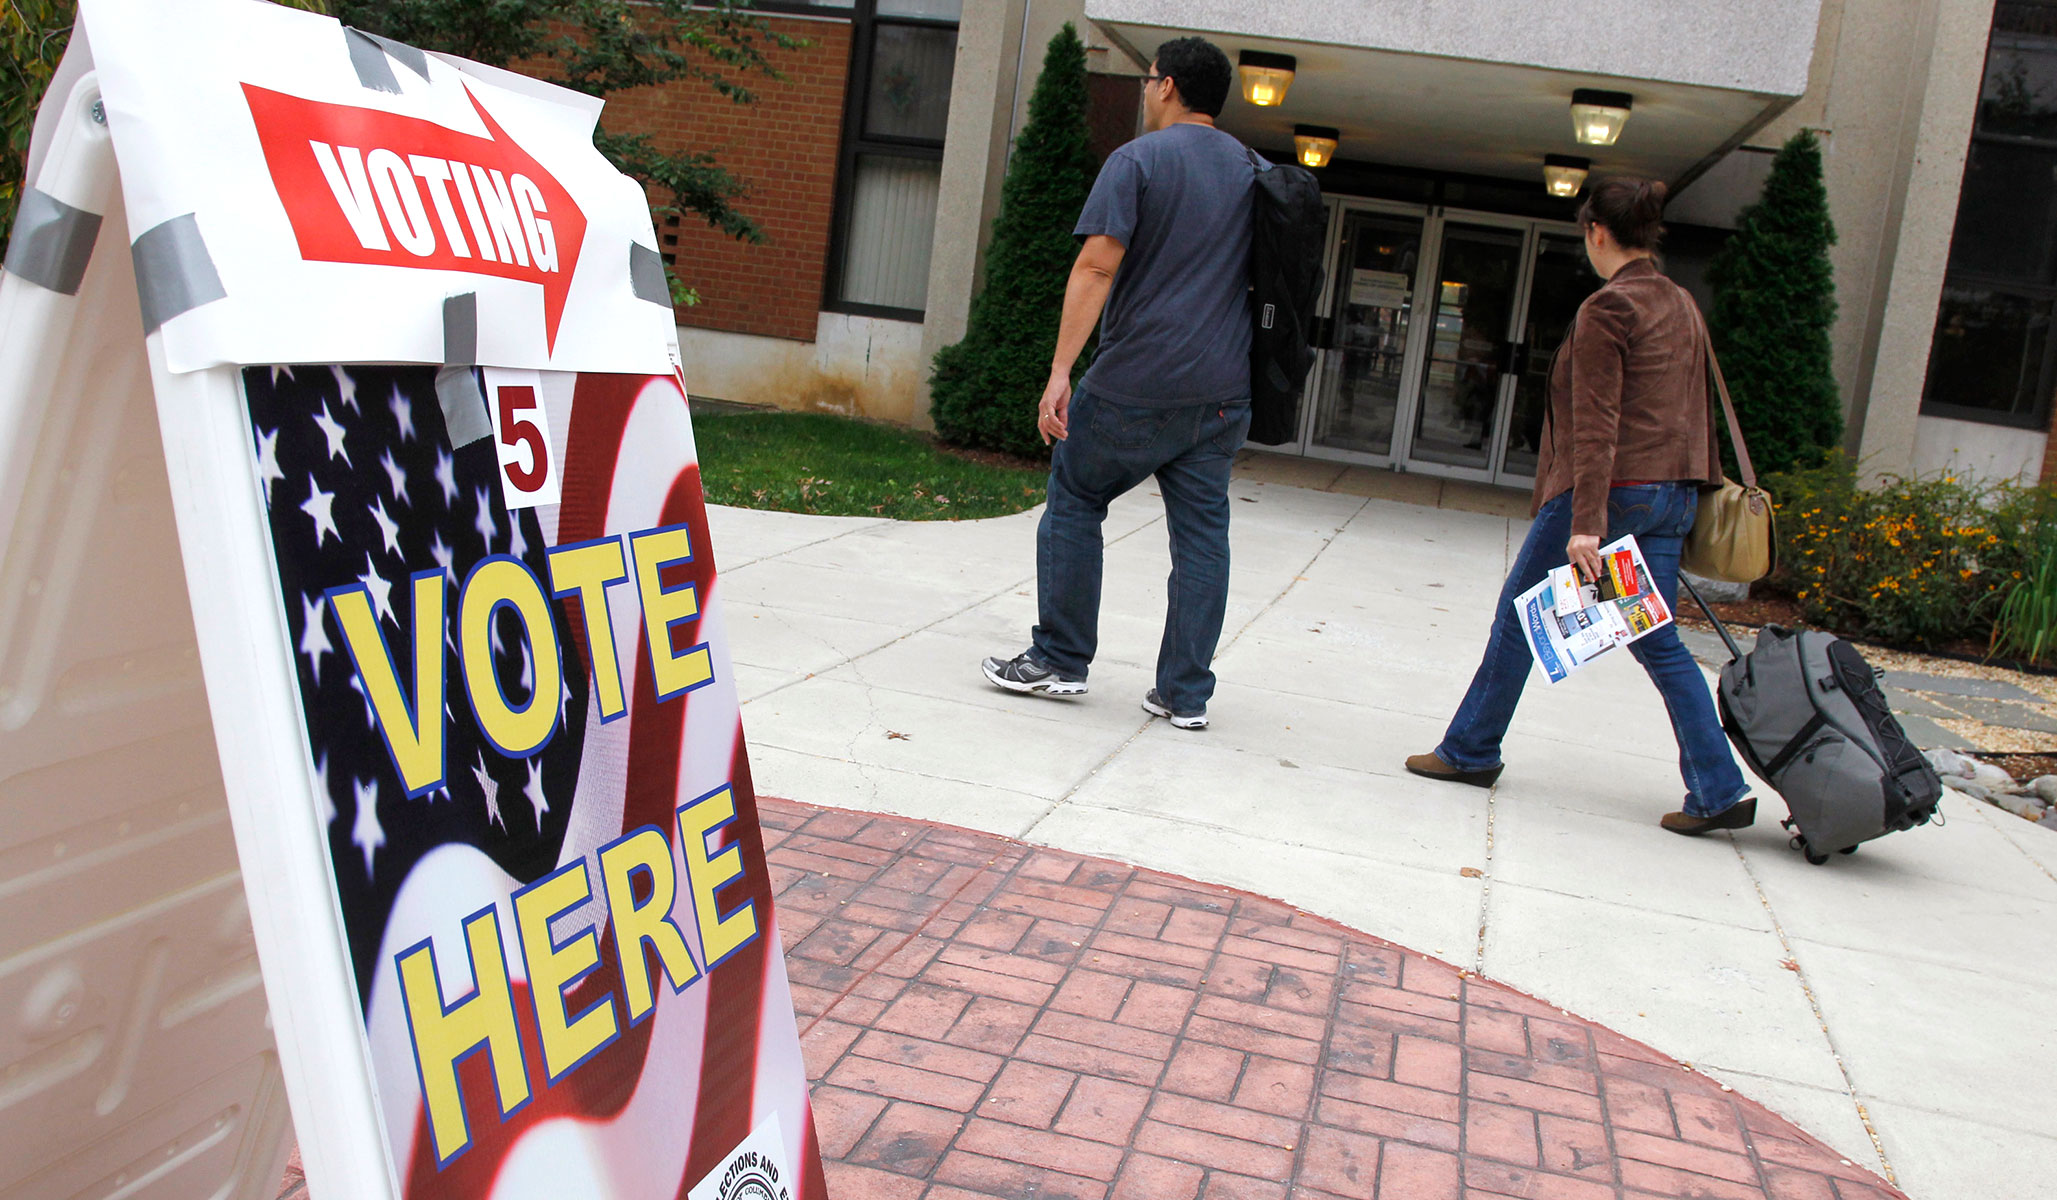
column 1993, row 358
column 903, row 55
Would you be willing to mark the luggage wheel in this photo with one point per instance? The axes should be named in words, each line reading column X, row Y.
column 1806, row 851
column 1847, row 850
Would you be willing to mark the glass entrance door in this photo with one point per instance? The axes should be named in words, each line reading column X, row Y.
column 1358, row 392
column 1559, row 281
column 1478, row 279
column 1440, row 328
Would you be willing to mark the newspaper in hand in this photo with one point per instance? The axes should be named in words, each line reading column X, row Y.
column 1571, row 620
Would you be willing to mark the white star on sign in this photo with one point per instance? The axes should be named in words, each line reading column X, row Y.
column 403, row 413
column 389, row 529
column 314, row 635
column 278, row 371
column 488, row 527
column 324, row 803
column 333, row 431
column 318, row 505
column 517, row 545
column 445, row 557
column 268, row 461
column 446, row 475
column 533, row 789
column 347, row 388
column 396, row 475
column 491, row 787
column 381, row 590
column 366, row 831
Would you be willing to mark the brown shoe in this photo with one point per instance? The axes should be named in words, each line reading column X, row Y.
column 1736, row 816
column 1431, row 766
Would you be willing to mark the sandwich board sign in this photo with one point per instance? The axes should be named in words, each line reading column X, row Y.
column 370, row 761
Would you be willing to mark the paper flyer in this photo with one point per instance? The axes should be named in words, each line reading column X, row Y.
column 1569, row 621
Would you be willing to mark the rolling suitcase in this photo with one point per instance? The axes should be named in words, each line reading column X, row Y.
column 1805, row 711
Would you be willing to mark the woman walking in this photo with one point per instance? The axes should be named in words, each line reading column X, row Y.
column 1628, row 443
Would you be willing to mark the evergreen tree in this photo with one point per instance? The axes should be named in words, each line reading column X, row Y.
column 984, row 389
column 1774, row 310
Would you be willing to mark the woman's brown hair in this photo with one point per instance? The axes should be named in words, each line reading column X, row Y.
column 1630, row 209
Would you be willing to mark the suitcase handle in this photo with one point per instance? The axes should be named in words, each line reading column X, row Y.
column 1735, row 652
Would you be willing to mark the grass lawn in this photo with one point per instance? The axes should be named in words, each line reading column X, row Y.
column 818, row 463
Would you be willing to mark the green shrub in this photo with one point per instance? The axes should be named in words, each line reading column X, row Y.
column 984, row 390
column 1774, row 311
column 1911, row 561
column 2026, row 626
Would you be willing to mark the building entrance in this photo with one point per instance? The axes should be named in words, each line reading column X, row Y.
column 1437, row 330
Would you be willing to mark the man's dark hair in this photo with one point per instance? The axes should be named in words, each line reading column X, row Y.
column 1200, row 72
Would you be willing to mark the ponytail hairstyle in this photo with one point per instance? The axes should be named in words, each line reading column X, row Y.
column 1630, row 209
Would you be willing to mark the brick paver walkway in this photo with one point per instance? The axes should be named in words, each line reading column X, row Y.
column 987, row 1019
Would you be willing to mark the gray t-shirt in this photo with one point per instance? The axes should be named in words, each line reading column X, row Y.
column 1176, row 329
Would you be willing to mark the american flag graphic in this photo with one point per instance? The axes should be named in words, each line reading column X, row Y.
column 362, row 486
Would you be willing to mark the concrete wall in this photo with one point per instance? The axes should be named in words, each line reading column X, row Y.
column 1893, row 90
column 1746, row 45
column 1994, row 453
column 855, row 366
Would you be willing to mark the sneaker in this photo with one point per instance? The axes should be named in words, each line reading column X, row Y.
column 1024, row 674
column 1186, row 720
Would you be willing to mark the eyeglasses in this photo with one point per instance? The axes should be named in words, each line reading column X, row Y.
column 1151, row 78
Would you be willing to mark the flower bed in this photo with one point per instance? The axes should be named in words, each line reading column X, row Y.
column 1921, row 562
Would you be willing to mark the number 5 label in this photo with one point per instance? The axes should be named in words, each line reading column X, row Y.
column 521, row 433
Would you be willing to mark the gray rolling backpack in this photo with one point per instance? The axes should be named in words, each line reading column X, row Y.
column 1805, row 711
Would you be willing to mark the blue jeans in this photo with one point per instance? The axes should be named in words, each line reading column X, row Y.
column 1659, row 515
column 1109, row 449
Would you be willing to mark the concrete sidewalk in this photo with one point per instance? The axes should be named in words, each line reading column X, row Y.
column 1895, row 1002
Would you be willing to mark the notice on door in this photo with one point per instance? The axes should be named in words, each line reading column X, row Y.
column 1378, row 289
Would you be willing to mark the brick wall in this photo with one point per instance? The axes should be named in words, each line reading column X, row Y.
column 784, row 148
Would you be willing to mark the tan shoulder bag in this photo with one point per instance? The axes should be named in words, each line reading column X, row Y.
column 1733, row 537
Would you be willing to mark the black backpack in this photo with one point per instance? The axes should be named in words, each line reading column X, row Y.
column 1289, row 228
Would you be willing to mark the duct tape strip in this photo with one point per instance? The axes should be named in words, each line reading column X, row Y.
column 457, row 386
column 464, row 405
column 174, row 272
column 52, row 242
column 461, row 329
column 373, row 70
column 646, row 275
column 407, row 56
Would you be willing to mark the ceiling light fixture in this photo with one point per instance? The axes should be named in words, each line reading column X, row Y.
column 1266, row 76
column 1315, row 144
column 1565, row 174
column 1597, row 116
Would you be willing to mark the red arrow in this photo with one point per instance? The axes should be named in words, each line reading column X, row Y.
column 364, row 186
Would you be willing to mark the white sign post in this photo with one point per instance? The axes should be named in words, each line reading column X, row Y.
column 367, row 741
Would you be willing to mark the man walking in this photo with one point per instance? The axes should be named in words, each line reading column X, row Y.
column 1167, row 254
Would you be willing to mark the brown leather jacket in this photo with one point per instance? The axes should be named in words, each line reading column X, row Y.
column 1628, row 397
